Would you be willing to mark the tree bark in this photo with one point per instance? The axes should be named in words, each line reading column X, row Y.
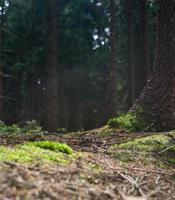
column 144, row 64
column 1, row 61
column 112, row 99
column 146, row 51
column 142, row 57
column 51, row 118
column 1, row 94
column 156, row 105
column 131, row 84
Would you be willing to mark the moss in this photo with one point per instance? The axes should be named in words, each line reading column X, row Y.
column 159, row 145
column 31, row 153
column 129, row 121
column 149, row 143
column 124, row 156
column 53, row 146
column 157, row 142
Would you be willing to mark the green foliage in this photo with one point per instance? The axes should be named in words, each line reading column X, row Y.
column 53, row 146
column 37, row 153
column 5, row 130
column 129, row 121
column 61, row 130
column 30, row 127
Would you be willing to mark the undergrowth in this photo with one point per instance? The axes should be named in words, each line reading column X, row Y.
column 52, row 146
column 28, row 128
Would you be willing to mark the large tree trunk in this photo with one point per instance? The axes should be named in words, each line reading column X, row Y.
column 112, row 99
column 51, row 118
column 156, row 105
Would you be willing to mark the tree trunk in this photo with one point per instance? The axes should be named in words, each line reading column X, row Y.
column 146, row 51
column 142, row 58
column 1, row 61
column 156, row 105
column 51, row 118
column 1, row 100
column 130, row 57
column 143, row 50
column 112, row 99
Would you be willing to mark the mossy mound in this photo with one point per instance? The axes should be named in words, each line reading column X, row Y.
column 52, row 146
column 148, row 144
column 38, row 152
column 159, row 145
column 130, row 122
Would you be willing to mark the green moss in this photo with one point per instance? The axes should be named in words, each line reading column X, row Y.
column 157, row 142
column 53, row 146
column 124, row 156
column 159, row 145
column 31, row 153
column 149, row 143
column 129, row 121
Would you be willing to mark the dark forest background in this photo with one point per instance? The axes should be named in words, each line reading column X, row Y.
column 73, row 63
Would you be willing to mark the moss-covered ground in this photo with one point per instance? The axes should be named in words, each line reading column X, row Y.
column 158, row 146
column 105, row 163
column 38, row 152
column 130, row 122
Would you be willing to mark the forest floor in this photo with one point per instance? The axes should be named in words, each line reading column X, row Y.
column 99, row 172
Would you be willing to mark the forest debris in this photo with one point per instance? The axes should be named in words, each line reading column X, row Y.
column 95, row 175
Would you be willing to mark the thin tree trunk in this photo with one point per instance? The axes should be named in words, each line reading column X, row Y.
column 51, row 121
column 156, row 105
column 1, row 65
column 131, row 86
column 112, row 99
column 142, row 58
column 145, row 42
column 1, row 62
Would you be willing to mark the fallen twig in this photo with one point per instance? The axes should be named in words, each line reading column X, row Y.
column 140, row 169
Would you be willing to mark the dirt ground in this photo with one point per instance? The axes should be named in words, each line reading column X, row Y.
column 96, row 175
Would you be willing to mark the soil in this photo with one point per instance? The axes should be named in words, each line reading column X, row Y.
column 96, row 175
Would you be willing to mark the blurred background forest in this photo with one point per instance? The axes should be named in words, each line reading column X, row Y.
column 73, row 63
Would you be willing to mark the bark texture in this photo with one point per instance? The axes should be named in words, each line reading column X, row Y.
column 1, row 61
column 146, row 48
column 131, row 84
column 1, row 100
column 143, row 55
column 156, row 104
column 112, row 99
column 51, row 118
